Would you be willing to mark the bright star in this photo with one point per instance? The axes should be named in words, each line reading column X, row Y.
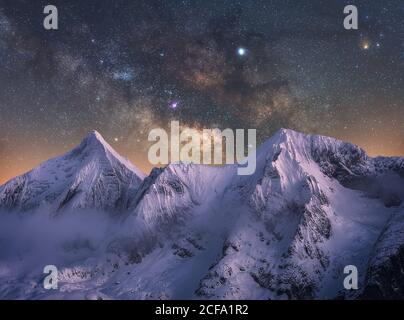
column 174, row 105
column 365, row 45
column 241, row 51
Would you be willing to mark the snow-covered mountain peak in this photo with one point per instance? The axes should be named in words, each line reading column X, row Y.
column 303, row 142
column 95, row 139
column 289, row 140
column 95, row 145
column 307, row 147
column 92, row 175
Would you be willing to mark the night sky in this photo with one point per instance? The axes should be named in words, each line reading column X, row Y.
column 126, row 67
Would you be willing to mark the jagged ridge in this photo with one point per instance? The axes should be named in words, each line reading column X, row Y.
column 314, row 205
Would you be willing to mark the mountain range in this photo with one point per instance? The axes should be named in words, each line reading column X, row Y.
column 313, row 206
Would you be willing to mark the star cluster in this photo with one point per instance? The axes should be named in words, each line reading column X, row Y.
column 124, row 67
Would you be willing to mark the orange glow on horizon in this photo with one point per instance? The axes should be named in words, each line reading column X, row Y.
column 379, row 146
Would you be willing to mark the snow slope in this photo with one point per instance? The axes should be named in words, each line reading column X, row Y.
column 314, row 205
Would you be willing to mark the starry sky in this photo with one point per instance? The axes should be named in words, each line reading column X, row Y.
column 124, row 67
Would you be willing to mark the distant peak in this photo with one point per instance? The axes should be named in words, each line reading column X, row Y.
column 94, row 142
column 306, row 144
column 288, row 132
column 94, row 133
column 95, row 136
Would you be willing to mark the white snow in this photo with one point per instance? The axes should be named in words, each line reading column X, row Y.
column 191, row 231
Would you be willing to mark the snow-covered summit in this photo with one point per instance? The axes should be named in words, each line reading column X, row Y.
column 94, row 142
column 93, row 176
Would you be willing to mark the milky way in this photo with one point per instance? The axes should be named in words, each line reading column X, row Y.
column 126, row 67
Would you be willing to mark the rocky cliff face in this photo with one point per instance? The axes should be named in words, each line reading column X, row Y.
column 385, row 272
